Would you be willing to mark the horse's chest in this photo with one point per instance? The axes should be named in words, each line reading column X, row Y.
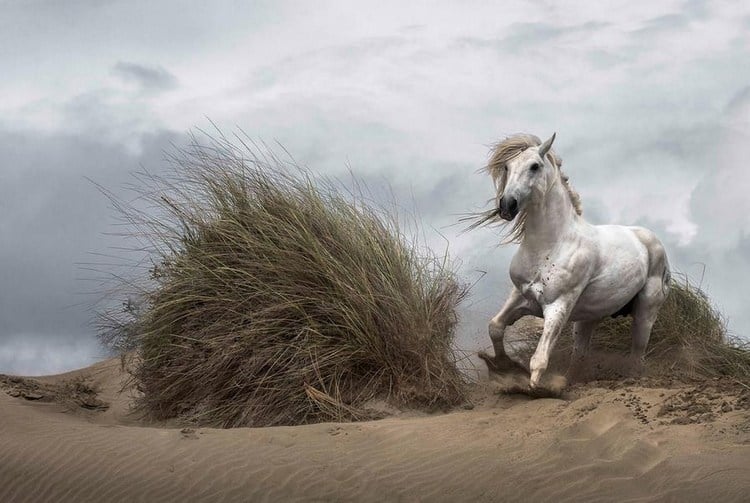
column 540, row 282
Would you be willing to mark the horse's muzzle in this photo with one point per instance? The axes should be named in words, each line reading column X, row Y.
column 508, row 208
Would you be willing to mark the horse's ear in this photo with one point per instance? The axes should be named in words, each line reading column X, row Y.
column 544, row 147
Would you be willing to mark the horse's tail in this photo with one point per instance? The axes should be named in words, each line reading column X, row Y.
column 666, row 276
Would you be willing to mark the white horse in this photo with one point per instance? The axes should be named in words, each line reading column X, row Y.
column 565, row 268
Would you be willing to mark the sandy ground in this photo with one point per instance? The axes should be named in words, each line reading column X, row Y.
column 605, row 441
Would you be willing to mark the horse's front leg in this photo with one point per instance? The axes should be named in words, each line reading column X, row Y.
column 556, row 315
column 514, row 309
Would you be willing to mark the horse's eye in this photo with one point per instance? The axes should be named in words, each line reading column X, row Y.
column 535, row 167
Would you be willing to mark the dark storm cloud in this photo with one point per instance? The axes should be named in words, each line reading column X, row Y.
column 149, row 78
column 89, row 115
column 52, row 219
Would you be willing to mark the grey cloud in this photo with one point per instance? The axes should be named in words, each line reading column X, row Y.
column 525, row 36
column 595, row 211
column 28, row 354
column 529, row 34
column 334, row 60
column 715, row 271
column 90, row 113
column 99, row 33
column 661, row 24
column 412, row 28
column 640, row 142
column 602, row 59
column 148, row 78
column 103, row 116
column 696, row 9
column 57, row 219
column 457, row 192
column 687, row 144
column 743, row 248
column 739, row 100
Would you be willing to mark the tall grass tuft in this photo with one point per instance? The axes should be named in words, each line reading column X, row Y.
column 276, row 298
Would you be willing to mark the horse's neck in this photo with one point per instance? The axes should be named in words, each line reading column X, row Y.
column 550, row 219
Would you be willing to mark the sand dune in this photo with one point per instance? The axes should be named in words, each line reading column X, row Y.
column 636, row 441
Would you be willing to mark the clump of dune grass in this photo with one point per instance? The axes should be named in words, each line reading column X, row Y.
column 276, row 298
column 689, row 339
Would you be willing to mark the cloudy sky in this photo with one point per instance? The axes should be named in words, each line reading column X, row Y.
column 651, row 103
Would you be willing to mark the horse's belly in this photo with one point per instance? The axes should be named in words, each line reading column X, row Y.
column 604, row 298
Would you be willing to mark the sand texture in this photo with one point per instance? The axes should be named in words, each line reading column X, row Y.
column 633, row 440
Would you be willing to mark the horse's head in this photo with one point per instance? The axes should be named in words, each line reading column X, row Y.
column 527, row 177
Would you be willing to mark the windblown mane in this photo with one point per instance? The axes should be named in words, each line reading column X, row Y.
column 501, row 153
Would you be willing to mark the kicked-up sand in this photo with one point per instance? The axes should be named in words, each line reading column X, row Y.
column 632, row 440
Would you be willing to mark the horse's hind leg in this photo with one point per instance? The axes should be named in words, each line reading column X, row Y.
column 582, row 331
column 645, row 309
column 649, row 300
column 514, row 309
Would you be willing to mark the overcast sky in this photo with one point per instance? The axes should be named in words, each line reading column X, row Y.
column 650, row 100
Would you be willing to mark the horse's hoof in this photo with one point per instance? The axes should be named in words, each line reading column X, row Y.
column 536, row 379
column 501, row 364
column 552, row 386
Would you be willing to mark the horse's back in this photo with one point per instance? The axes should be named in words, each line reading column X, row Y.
column 635, row 246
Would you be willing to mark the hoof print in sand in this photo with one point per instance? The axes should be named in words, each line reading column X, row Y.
column 189, row 433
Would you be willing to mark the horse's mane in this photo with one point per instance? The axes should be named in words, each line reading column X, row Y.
column 501, row 153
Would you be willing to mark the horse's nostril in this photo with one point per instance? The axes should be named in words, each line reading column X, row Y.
column 508, row 206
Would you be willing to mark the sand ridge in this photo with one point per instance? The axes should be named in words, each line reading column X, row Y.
column 637, row 441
